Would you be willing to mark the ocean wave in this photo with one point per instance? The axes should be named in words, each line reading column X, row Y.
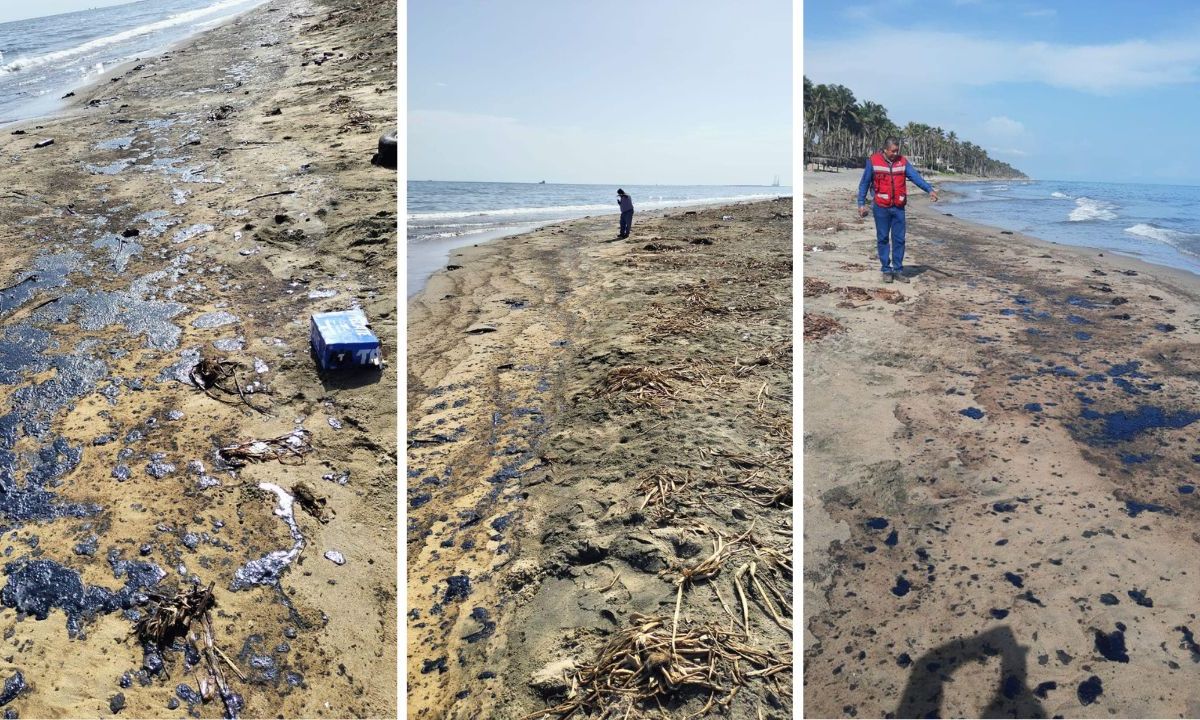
column 1089, row 209
column 178, row 19
column 1060, row 196
column 1161, row 234
column 571, row 209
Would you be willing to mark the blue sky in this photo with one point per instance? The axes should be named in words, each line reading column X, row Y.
column 11, row 10
column 1060, row 90
column 670, row 91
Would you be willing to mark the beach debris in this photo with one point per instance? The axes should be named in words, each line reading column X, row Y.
column 641, row 666
column 636, row 385
column 335, row 557
column 284, row 448
column 344, row 340
column 386, row 157
column 858, row 294
column 43, row 143
column 814, row 287
column 660, row 247
column 170, row 616
column 270, row 194
column 817, row 326
column 312, row 503
column 661, row 490
column 480, row 329
column 216, row 373
column 221, row 113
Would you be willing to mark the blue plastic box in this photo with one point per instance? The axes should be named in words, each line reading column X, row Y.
column 343, row 340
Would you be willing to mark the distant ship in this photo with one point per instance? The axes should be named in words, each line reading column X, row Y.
column 543, row 182
column 775, row 183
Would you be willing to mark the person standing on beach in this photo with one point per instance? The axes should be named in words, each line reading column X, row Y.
column 888, row 173
column 626, row 204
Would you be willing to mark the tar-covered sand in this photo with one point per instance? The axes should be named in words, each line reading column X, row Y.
column 136, row 244
column 1000, row 463
column 599, row 434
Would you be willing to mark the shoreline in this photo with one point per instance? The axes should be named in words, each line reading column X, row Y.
column 528, row 543
column 428, row 260
column 165, row 226
column 76, row 103
column 980, row 448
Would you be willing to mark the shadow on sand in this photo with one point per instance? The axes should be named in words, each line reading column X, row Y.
column 1012, row 697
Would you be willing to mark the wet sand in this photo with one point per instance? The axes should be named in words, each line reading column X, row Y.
column 201, row 202
column 585, row 417
column 999, row 474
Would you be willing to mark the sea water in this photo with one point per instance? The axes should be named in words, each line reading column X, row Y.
column 42, row 59
column 1155, row 223
column 447, row 215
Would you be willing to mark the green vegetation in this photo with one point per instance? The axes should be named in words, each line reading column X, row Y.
column 843, row 132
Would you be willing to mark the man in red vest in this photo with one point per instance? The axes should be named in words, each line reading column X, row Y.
column 887, row 174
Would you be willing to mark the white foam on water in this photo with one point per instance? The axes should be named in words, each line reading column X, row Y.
column 1060, row 196
column 182, row 18
column 557, row 209
column 1089, row 209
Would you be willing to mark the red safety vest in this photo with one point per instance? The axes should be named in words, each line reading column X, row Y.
column 891, row 183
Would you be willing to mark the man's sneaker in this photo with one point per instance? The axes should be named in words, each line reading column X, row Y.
column 887, row 277
column 900, row 277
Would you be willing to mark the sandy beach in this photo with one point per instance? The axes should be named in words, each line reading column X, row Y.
column 200, row 204
column 599, row 433
column 999, row 469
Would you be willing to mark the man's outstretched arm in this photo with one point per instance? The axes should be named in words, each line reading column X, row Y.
column 911, row 172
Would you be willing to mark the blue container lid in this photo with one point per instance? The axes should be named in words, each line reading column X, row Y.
column 345, row 327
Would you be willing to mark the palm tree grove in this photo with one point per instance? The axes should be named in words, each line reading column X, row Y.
column 840, row 131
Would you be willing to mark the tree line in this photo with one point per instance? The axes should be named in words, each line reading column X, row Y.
column 842, row 129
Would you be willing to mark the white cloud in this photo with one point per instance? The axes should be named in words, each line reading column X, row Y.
column 939, row 62
column 1002, row 125
column 1007, row 151
column 440, row 84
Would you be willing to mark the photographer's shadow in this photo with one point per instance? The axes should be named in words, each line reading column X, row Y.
column 923, row 695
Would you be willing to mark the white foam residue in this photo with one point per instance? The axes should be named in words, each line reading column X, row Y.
column 267, row 569
column 1060, row 196
column 1089, row 209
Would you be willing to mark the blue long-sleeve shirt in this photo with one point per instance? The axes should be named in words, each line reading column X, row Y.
column 910, row 172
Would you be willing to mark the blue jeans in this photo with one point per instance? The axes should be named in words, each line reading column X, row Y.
column 626, row 221
column 889, row 220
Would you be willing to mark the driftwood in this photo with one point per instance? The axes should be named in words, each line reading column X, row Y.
column 289, row 449
column 217, row 373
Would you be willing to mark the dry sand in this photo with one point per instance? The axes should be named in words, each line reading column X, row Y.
column 132, row 244
column 537, row 529
column 999, row 517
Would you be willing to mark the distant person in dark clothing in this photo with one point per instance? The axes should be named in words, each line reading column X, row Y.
column 626, row 204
